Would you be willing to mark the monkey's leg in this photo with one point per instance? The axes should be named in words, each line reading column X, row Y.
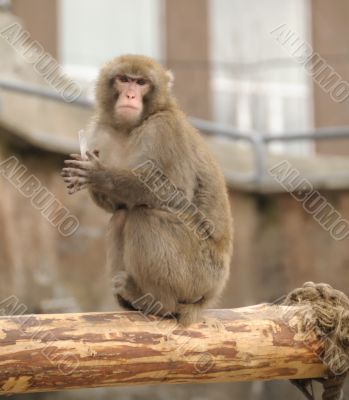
column 189, row 311
column 115, row 255
column 126, row 292
column 125, row 289
column 170, row 264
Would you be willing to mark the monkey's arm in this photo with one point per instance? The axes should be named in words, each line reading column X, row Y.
column 103, row 201
column 130, row 187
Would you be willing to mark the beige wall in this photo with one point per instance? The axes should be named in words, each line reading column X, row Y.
column 279, row 246
column 186, row 47
column 330, row 32
column 40, row 19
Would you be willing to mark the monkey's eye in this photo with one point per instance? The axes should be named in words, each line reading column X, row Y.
column 141, row 82
column 123, row 78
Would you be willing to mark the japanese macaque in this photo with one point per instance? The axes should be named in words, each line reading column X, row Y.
column 170, row 234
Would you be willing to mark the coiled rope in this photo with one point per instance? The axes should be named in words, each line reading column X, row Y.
column 326, row 312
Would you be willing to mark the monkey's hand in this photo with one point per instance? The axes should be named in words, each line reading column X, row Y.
column 81, row 172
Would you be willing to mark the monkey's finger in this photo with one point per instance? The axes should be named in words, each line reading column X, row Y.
column 74, row 172
column 72, row 189
column 75, row 156
column 72, row 185
column 72, row 182
column 76, row 189
column 92, row 156
column 77, row 180
column 68, row 179
column 78, row 164
column 67, row 175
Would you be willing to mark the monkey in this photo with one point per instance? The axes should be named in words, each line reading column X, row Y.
column 141, row 143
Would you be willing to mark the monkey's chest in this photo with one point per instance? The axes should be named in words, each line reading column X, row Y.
column 115, row 154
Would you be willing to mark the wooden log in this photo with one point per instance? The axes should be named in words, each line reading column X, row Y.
column 65, row 351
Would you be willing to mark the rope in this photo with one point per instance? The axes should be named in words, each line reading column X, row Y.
column 327, row 313
column 333, row 387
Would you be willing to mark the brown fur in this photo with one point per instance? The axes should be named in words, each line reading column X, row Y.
column 155, row 257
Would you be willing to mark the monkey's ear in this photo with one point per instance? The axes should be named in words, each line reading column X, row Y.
column 170, row 78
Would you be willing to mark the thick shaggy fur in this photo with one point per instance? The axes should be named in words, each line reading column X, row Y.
column 159, row 264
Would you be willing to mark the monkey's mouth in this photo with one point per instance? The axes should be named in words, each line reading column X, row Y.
column 129, row 107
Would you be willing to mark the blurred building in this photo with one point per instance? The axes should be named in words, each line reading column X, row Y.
column 238, row 73
column 230, row 69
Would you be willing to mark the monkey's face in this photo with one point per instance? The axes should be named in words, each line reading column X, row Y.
column 131, row 88
column 129, row 103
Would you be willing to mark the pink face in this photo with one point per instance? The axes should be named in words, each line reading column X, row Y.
column 131, row 90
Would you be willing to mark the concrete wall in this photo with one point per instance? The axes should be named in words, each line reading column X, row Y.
column 40, row 19
column 330, row 32
column 279, row 246
column 187, row 54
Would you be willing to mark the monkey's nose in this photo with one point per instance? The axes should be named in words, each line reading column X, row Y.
column 130, row 96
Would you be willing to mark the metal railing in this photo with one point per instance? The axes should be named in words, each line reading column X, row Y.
column 258, row 140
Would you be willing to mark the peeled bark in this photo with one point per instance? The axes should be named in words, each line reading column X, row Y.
column 65, row 351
